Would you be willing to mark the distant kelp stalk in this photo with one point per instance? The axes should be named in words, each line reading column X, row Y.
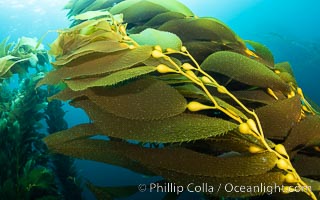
column 28, row 171
column 25, row 172
column 153, row 72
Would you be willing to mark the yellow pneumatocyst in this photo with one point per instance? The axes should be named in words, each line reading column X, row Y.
column 270, row 91
column 188, row 66
column 305, row 108
column 292, row 94
column 183, row 49
column 255, row 149
column 252, row 124
column 158, row 48
column 164, row 69
column 290, row 178
column 283, row 164
column 192, row 74
column 244, row 128
column 299, row 91
column 206, row 80
column 286, row 189
column 196, row 106
column 157, row 54
column 280, row 149
column 221, row 89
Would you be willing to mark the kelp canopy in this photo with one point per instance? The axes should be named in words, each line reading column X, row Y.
column 153, row 72
column 19, row 58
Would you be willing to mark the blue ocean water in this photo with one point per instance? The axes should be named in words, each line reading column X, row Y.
column 289, row 28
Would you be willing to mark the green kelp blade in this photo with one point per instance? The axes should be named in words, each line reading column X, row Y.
column 284, row 67
column 315, row 185
column 288, row 78
column 200, row 29
column 138, row 10
column 180, row 128
column 99, row 46
column 100, row 151
column 70, row 4
column 96, row 64
column 77, row 6
column 155, row 37
column 41, row 177
column 3, row 47
column 263, row 52
column 162, row 18
column 109, row 80
column 244, row 69
column 7, row 62
column 315, row 107
column 174, row 79
column 92, row 14
column 278, row 118
column 111, row 192
column 174, row 6
column 143, row 99
column 306, row 133
column 286, row 72
column 101, row 4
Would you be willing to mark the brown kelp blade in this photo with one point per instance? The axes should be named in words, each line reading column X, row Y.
column 265, row 55
column 304, row 134
column 143, row 99
column 278, row 118
column 174, row 159
column 99, row 64
column 180, row 128
column 109, row 80
column 167, row 163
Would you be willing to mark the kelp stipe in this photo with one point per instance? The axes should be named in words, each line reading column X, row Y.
column 64, row 169
column 147, row 87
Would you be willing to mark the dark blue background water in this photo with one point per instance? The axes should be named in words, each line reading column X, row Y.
column 289, row 28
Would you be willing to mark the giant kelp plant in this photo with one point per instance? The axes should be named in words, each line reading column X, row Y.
column 26, row 168
column 152, row 72
column 24, row 164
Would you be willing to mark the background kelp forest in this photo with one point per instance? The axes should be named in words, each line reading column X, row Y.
column 178, row 98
